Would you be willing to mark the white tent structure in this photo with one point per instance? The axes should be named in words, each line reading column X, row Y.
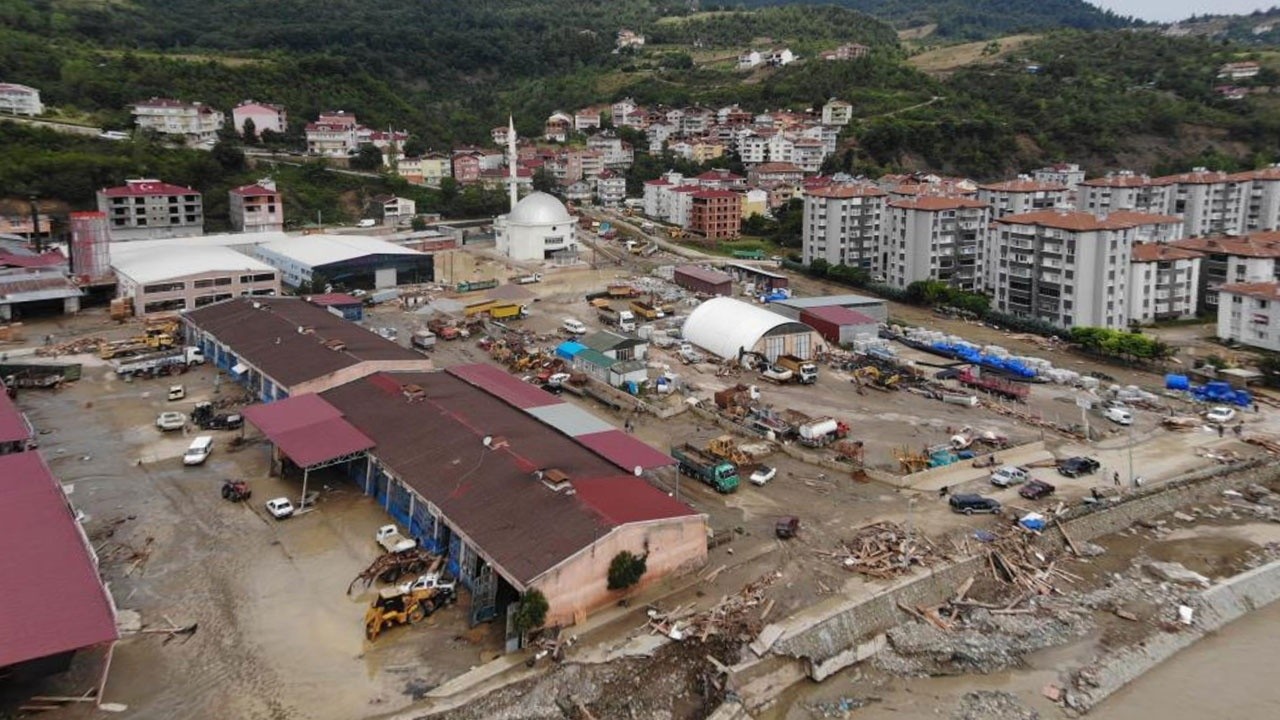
column 726, row 327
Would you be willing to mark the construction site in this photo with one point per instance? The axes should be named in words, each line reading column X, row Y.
column 843, row 575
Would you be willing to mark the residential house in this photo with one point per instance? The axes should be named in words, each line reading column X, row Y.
column 755, row 201
column 848, row 51
column 257, row 207
column 753, row 148
column 934, row 238
column 1023, row 195
column 578, row 192
column 499, row 135
column 18, row 99
column 265, row 116
column 842, row 225
column 615, row 153
column 657, row 199
column 1232, row 260
column 808, row 154
column 775, row 172
column 611, row 189
column 558, row 127
column 628, row 39
column 696, row 121
column 333, row 134
column 1068, row 268
column 410, row 168
column 436, row 166
column 145, row 209
column 586, row 119
column 750, row 59
column 658, row 134
column 720, row 179
column 779, row 57
column 194, row 122
column 1239, row 70
column 837, row 112
column 394, row 210
column 733, row 116
column 716, row 214
column 781, row 149
column 1164, row 283
column 466, row 167
column 1249, row 314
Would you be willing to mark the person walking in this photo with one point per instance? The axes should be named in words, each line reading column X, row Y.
column 1115, row 478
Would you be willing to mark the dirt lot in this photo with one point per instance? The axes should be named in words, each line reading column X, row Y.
column 278, row 636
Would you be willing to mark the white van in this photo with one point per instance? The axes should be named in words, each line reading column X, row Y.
column 1118, row 415
column 199, row 451
column 573, row 327
column 367, row 223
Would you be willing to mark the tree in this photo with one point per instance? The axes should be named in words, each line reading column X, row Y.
column 532, row 612
column 368, row 157
column 415, row 147
column 625, row 570
column 544, row 181
column 229, row 156
column 418, row 223
column 249, row 132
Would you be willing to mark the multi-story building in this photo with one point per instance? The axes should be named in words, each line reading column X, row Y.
column 808, row 154
column 1164, row 283
column 842, row 225
column 466, row 167
column 1262, row 205
column 586, row 119
column 18, row 99
column 1067, row 268
column 1150, row 227
column 837, row 112
column 617, row 154
column 934, row 238
column 716, row 214
column 265, row 116
column 146, row 209
column 1210, row 203
column 720, row 179
column 753, row 148
column 775, row 172
column 1068, row 174
column 1249, row 314
column 333, row 134
column 194, row 122
column 1233, row 260
column 1122, row 191
column 558, row 127
column 656, row 198
column 436, row 166
column 611, row 189
column 849, row 51
column 256, row 207
column 1023, row 195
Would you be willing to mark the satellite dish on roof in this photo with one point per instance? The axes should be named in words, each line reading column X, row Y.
column 488, row 441
column 638, row 471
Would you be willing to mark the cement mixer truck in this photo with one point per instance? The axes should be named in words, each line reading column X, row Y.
column 821, row 431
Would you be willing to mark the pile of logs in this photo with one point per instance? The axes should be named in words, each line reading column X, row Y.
column 1014, row 561
column 72, row 347
column 734, row 618
column 885, row 550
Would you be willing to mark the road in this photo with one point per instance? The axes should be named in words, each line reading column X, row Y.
column 67, row 128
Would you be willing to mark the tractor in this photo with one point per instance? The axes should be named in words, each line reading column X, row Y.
column 395, row 606
column 236, row 490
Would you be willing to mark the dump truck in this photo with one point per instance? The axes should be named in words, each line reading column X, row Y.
column 821, row 431
column 479, row 307
column 527, row 279
column 695, row 463
column 777, row 374
column 508, row 311
column 624, row 320
column 179, row 359
column 444, row 329
column 645, row 310
column 394, row 606
column 804, row 372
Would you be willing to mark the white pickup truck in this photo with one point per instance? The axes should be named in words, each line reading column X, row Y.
column 389, row 537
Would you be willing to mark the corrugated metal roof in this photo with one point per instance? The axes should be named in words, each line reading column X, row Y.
column 627, row 500
column 307, row 429
column 829, row 300
column 624, row 450
column 570, row 419
column 45, row 565
column 839, row 315
column 595, row 357
column 13, row 426
column 316, row 250
column 150, row 265
column 504, row 386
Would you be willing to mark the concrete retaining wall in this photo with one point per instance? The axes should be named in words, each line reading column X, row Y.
column 1214, row 608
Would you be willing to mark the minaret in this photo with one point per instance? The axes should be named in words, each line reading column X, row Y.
column 511, row 160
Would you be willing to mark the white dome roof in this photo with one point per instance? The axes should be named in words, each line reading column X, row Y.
column 539, row 208
column 723, row 326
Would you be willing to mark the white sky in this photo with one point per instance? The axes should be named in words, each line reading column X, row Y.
column 1170, row 10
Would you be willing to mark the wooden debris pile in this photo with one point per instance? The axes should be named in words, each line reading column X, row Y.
column 885, row 550
column 1269, row 444
column 77, row 346
column 1013, row 560
column 390, row 567
column 735, row 617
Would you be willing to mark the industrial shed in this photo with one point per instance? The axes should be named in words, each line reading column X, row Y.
column 873, row 307
column 726, row 327
column 839, row 325
column 351, row 260
column 703, row 280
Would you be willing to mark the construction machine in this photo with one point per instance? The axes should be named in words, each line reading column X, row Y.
column 395, row 606
column 726, row 448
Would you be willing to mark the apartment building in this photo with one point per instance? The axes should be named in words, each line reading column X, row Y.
column 256, row 207
column 1262, row 203
column 265, row 116
column 1069, row 174
column 145, row 209
column 333, row 134
column 716, row 214
column 1068, row 268
column 842, row 225
column 1151, row 227
column 18, row 99
column 934, row 238
column 1164, row 283
column 1122, row 191
column 837, row 112
column 611, row 189
column 1210, row 203
column 193, row 121
column 1023, row 195
column 1232, row 260
column 1249, row 314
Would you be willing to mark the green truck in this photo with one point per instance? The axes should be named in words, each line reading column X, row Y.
column 717, row 473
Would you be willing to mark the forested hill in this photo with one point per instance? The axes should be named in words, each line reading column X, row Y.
column 975, row 19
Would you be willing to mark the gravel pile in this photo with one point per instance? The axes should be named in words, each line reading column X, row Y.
column 992, row 705
column 981, row 642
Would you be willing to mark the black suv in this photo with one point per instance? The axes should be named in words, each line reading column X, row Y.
column 970, row 504
column 1077, row 466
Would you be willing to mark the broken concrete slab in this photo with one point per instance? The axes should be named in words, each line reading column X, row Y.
column 1177, row 573
column 765, row 640
column 821, row 670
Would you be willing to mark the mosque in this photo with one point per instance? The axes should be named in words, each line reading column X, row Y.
column 537, row 227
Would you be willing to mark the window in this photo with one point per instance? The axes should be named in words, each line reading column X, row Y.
column 165, row 287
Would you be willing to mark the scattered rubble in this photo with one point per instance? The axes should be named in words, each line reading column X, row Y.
column 992, row 705
column 1176, row 573
column 733, row 618
column 980, row 640
column 885, row 550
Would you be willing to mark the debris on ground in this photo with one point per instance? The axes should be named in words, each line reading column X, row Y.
column 885, row 550
column 1175, row 573
column 979, row 640
column 992, row 705
column 840, row 708
column 733, row 618
column 392, row 566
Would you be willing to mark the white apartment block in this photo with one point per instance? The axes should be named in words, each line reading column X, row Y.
column 1068, row 268
column 1262, row 204
column 1121, row 191
column 1249, row 314
column 1210, row 203
column 1150, row 227
column 837, row 112
column 842, row 225
column 1233, row 260
column 18, row 99
column 611, row 189
column 753, row 149
column 1164, row 283
column 1068, row 174
column 194, row 122
column 934, row 238
column 1023, row 195
column 146, row 209
column 265, row 116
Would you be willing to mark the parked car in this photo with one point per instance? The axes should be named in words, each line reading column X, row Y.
column 167, row 421
column 177, row 392
column 763, row 474
column 435, row 581
column 1118, row 415
column 573, row 327
column 1036, row 489
column 1009, row 475
column 1077, row 466
column 1220, row 415
column 199, row 450
column 970, row 504
column 280, row 508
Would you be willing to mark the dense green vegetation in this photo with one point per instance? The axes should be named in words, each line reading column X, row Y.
column 974, row 19
column 823, row 23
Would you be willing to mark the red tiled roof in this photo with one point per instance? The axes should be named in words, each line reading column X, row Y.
column 1260, row 290
column 1134, row 217
column 1023, row 186
column 1122, row 181
column 45, row 565
column 1072, row 220
column 13, row 426
column 934, row 203
column 778, row 167
column 844, row 191
column 1156, row 252
column 141, row 189
column 1258, row 245
column 1194, row 178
